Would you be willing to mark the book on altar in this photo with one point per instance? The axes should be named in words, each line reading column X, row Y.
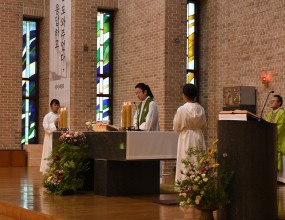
column 99, row 126
column 238, row 115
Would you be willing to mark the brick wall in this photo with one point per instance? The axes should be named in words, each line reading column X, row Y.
column 83, row 63
column 239, row 41
column 139, row 53
column 10, row 83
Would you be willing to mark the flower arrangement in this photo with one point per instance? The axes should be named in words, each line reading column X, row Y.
column 205, row 179
column 73, row 138
column 67, row 163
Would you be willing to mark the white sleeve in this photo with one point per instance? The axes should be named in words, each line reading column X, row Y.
column 151, row 118
column 177, row 121
column 48, row 124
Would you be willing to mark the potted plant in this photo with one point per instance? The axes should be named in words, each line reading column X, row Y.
column 67, row 164
column 205, row 180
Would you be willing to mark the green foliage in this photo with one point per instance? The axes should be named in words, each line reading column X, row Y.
column 67, row 164
column 205, row 180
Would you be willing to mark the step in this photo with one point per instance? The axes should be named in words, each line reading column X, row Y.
column 3, row 217
column 34, row 154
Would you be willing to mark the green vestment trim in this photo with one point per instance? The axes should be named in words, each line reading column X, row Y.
column 142, row 116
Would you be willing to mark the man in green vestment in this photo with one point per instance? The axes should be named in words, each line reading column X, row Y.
column 277, row 115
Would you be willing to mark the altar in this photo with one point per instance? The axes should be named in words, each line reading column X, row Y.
column 128, row 163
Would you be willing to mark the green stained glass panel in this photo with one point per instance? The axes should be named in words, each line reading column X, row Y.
column 103, row 66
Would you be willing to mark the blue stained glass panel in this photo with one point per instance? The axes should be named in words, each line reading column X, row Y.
column 28, row 115
column 28, row 88
column 29, row 49
column 103, row 66
column 102, row 109
column 29, row 57
column 103, row 85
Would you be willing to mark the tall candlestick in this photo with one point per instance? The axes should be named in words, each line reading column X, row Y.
column 124, row 115
column 61, row 118
column 64, row 117
column 129, row 114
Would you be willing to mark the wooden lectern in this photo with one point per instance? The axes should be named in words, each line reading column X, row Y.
column 251, row 149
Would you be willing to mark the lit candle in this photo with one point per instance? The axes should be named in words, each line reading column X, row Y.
column 64, row 120
column 129, row 114
column 61, row 118
column 124, row 115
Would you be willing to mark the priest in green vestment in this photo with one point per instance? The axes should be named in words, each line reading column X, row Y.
column 146, row 116
column 277, row 115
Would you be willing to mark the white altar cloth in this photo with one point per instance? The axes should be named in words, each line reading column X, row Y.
column 143, row 145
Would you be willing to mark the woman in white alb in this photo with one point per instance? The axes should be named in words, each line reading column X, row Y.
column 50, row 124
column 189, row 122
column 146, row 116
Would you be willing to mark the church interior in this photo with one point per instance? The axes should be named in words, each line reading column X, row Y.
column 90, row 54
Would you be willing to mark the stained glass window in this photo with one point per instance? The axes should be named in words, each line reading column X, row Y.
column 191, row 50
column 104, row 68
column 29, row 79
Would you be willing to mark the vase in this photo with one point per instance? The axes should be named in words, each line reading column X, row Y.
column 206, row 212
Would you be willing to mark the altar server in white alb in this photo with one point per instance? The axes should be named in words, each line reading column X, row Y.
column 189, row 122
column 50, row 124
column 146, row 116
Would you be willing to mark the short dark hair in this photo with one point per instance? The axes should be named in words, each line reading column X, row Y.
column 190, row 91
column 279, row 99
column 54, row 101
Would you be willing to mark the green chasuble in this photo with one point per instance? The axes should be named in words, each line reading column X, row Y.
column 142, row 115
column 279, row 119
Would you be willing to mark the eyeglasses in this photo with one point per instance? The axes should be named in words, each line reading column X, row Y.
column 272, row 101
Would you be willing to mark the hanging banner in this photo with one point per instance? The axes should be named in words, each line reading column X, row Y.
column 59, row 53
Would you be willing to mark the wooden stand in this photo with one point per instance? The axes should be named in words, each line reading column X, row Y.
column 251, row 149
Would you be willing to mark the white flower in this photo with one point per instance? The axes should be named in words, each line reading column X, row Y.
column 205, row 179
column 203, row 175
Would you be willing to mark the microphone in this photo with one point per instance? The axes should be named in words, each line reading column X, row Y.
column 138, row 123
column 264, row 105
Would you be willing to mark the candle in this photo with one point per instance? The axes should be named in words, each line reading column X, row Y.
column 64, row 118
column 129, row 114
column 61, row 118
column 124, row 115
